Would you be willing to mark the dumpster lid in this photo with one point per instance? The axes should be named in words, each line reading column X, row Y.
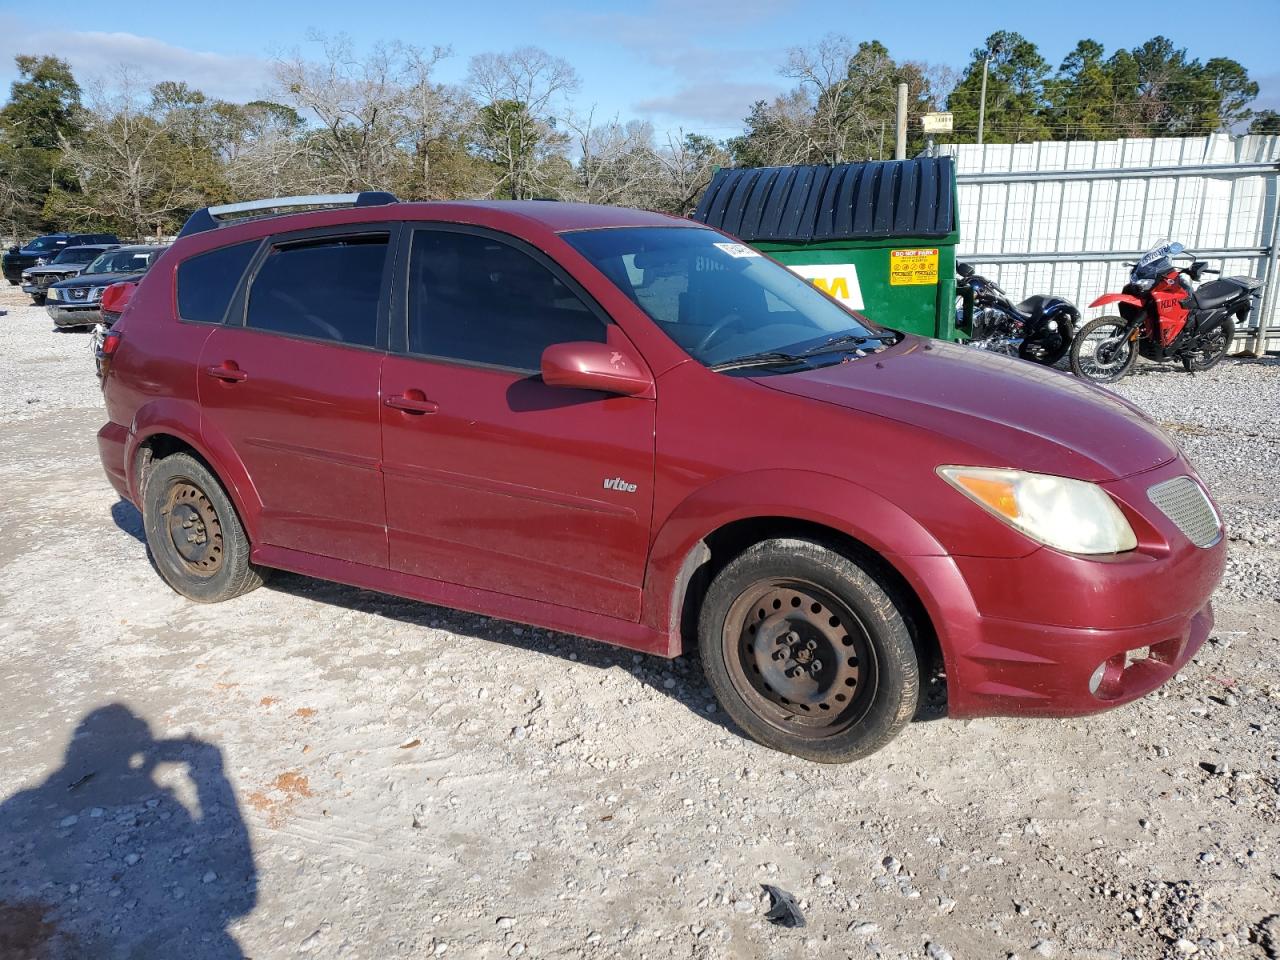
column 848, row 201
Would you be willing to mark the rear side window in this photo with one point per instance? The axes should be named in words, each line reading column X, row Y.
column 477, row 299
column 208, row 281
column 326, row 289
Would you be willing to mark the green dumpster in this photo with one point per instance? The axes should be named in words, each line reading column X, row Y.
column 878, row 236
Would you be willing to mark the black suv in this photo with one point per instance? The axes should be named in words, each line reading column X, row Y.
column 41, row 250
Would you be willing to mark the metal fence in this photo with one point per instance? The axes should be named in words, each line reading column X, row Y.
column 1064, row 217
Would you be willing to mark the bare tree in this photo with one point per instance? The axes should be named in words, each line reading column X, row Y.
column 688, row 163
column 128, row 166
column 356, row 100
column 614, row 163
column 520, row 96
column 430, row 114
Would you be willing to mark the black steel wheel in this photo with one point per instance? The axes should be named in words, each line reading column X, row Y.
column 809, row 652
column 1213, row 346
column 194, row 536
column 801, row 658
column 1104, row 350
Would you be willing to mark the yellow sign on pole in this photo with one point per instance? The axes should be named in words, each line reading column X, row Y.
column 913, row 268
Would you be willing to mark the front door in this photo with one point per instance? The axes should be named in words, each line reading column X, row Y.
column 292, row 384
column 495, row 480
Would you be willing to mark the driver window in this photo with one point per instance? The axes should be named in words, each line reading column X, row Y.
column 324, row 289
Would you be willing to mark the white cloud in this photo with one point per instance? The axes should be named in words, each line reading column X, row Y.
column 96, row 53
column 720, row 103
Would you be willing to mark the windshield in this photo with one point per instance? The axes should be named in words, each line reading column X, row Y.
column 717, row 299
column 76, row 255
column 46, row 243
column 1157, row 261
column 121, row 261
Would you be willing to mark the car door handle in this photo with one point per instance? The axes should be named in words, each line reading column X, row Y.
column 227, row 372
column 409, row 404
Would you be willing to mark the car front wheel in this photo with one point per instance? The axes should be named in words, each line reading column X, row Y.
column 808, row 652
column 195, row 538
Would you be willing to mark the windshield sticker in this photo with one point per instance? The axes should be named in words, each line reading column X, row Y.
column 736, row 250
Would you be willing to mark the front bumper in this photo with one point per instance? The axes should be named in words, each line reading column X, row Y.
column 73, row 315
column 1024, row 636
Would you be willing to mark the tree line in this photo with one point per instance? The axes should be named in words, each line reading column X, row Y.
column 136, row 157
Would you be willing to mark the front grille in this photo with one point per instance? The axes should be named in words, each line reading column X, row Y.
column 79, row 293
column 1184, row 502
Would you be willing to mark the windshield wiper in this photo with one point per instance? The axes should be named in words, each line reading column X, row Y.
column 766, row 358
column 847, row 339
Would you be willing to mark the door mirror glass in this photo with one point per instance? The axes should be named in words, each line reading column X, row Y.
column 594, row 366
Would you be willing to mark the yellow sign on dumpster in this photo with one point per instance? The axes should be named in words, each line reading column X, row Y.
column 913, row 268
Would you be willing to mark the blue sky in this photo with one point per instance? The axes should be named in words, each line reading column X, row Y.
column 682, row 64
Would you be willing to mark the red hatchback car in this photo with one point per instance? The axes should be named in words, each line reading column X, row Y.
column 631, row 427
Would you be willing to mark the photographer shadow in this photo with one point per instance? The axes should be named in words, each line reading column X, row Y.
column 134, row 847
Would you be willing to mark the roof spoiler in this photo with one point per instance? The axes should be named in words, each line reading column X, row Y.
column 210, row 218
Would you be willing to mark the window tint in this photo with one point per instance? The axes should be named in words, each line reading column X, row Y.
column 478, row 299
column 325, row 289
column 207, row 282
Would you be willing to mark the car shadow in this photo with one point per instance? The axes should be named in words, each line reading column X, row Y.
column 133, row 847
column 127, row 518
column 690, row 688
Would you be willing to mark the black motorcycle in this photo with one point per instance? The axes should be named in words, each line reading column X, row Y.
column 1038, row 329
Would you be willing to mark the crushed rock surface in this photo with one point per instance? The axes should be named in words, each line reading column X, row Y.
column 318, row 770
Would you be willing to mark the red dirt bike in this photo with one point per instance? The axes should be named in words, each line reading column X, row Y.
column 1163, row 318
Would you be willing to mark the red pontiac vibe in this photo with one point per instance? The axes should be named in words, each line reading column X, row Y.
column 631, row 427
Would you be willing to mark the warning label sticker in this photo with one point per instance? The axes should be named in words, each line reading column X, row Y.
column 913, row 268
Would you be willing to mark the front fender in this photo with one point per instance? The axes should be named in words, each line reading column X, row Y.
column 181, row 419
column 816, row 498
column 1107, row 298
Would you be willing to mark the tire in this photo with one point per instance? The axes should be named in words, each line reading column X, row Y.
column 1216, row 348
column 1085, row 362
column 183, row 500
column 38, row 299
column 808, row 652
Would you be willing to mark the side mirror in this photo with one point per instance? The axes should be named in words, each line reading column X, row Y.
column 594, row 366
column 964, row 269
column 1196, row 270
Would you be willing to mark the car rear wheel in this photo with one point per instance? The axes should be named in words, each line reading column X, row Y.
column 195, row 538
column 808, row 652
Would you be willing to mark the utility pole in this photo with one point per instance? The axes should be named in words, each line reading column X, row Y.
column 900, row 152
column 982, row 100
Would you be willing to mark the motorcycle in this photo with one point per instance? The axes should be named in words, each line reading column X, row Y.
column 1163, row 317
column 1038, row 329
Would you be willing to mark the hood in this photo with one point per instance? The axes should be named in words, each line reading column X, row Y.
column 1018, row 414
column 94, row 279
column 56, row 268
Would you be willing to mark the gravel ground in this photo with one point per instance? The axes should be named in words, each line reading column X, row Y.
column 322, row 770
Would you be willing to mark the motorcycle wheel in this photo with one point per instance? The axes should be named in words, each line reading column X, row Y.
column 1213, row 346
column 1047, row 348
column 1101, row 351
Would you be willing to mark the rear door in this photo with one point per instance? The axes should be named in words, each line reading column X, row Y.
column 495, row 480
column 291, row 381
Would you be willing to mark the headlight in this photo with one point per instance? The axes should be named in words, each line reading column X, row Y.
column 26, row 278
column 54, row 294
column 1069, row 515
